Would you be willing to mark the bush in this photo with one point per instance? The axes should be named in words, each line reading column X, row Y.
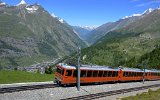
column 48, row 70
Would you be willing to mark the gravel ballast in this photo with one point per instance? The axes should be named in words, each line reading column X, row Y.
column 24, row 84
column 66, row 92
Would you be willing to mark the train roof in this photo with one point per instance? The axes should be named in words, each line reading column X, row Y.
column 89, row 67
column 96, row 67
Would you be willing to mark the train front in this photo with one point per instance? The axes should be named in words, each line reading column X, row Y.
column 59, row 74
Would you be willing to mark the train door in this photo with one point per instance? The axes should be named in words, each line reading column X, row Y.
column 59, row 75
column 68, row 76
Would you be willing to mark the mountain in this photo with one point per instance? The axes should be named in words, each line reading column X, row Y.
column 110, row 26
column 29, row 34
column 83, row 31
column 127, row 44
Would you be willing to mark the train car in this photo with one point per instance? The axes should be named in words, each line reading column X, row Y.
column 132, row 74
column 67, row 74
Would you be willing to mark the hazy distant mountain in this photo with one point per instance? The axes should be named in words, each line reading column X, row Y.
column 29, row 34
column 83, row 31
column 125, row 45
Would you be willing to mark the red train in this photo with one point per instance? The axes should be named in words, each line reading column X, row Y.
column 66, row 75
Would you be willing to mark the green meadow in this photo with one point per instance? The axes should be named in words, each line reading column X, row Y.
column 150, row 95
column 7, row 77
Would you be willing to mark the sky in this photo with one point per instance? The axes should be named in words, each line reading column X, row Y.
column 92, row 12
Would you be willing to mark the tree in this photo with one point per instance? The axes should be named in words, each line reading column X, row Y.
column 48, row 70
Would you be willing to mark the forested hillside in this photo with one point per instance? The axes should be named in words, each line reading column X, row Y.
column 150, row 60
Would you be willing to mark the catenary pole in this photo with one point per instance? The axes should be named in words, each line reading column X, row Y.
column 78, row 69
column 144, row 74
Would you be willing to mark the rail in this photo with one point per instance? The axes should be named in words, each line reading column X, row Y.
column 25, row 88
column 110, row 93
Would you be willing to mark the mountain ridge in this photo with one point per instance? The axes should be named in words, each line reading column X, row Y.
column 29, row 31
column 111, row 26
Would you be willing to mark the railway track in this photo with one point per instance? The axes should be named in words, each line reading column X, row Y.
column 110, row 93
column 25, row 88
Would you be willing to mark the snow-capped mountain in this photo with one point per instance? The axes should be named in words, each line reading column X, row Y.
column 148, row 11
column 60, row 19
column 29, row 8
column 22, row 3
column 137, row 15
column 32, row 8
column 2, row 4
column 83, row 31
column 88, row 27
column 53, row 15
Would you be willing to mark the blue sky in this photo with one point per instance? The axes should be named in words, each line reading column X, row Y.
column 92, row 12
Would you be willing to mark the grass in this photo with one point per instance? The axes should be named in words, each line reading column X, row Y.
column 150, row 95
column 7, row 77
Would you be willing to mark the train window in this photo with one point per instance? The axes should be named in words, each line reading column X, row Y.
column 68, row 72
column 113, row 74
column 135, row 74
column 124, row 74
column 61, row 71
column 100, row 73
column 83, row 73
column 129, row 74
column 109, row 73
column 105, row 74
column 75, row 73
column 95, row 73
column 139, row 74
column 116, row 74
column 89, row 73
column 145, row 74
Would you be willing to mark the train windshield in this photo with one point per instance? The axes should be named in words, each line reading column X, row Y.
column 60, row 71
